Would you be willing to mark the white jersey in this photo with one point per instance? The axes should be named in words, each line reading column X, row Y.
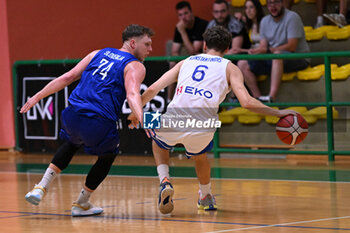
column 201, row 85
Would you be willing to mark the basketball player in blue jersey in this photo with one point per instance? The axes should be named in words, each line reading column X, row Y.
column 202, row 83
column 108, row 77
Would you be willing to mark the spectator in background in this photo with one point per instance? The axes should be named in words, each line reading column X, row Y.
column 253, row 13
column 282, row 31
column 222, row 17
column 240, row 39
column 188, row 33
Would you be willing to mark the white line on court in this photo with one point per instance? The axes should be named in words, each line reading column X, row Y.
column 281, row 224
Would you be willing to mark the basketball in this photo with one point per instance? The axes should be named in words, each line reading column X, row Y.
column 292, row 129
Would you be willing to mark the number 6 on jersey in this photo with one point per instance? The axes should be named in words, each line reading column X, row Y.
column 199, row 71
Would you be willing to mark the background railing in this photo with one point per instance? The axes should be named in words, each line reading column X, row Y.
column 328, row 103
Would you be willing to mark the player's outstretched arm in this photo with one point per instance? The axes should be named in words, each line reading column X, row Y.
column 59, row 83
column 134, row 74
column 236, row 82
column 165, row 80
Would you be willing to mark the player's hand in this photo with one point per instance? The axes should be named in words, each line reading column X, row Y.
column 286, row 112
column 29, row 104
column 134, row 121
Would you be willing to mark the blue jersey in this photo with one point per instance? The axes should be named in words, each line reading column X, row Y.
column 101, row 91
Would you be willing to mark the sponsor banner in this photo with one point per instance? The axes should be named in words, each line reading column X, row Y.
column 41, row 121
column 38, row 129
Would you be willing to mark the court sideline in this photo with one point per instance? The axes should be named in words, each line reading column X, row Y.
column 130, row 202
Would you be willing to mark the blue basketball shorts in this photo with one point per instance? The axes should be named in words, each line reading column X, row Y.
column 97, row 135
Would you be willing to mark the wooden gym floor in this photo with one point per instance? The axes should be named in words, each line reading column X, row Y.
column 291, row 194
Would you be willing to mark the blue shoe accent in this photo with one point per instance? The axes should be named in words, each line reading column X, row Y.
column 165, row 200
column 207, row 203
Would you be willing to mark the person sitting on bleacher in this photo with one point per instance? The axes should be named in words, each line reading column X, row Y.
column 282, row 31
column 253, row 14
column 240, row 39
column 188, row 34
column 222, row 17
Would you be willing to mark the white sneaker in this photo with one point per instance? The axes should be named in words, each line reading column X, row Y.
column 337, row 19
column 36, row 195
column 265, row 99
column 85, row 209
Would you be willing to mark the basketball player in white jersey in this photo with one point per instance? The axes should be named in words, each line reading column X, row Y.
column 202, row 83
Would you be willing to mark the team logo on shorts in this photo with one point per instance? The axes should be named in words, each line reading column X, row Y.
column 151, row 120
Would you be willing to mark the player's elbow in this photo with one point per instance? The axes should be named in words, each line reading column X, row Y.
column 69, row 77
column 245, row 104
column 130, row 96
column 248, row 103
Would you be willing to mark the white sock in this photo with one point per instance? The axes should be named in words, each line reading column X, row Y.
column 204, row 190
column 84, row 196
column 48, row 177
column 320, row 19
column 163, row 171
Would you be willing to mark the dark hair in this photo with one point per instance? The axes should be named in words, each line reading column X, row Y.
column 259, row 14
column 135, row 30
column 217, row 38
column 183, row 4
column 222, row 1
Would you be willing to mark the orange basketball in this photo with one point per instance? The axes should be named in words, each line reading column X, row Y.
column 292, row 129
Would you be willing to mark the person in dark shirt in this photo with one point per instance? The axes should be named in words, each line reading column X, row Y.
column 189, row 30
column 188, row 33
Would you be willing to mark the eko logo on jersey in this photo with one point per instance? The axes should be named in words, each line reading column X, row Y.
column 151, row 120
column 194, row 91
